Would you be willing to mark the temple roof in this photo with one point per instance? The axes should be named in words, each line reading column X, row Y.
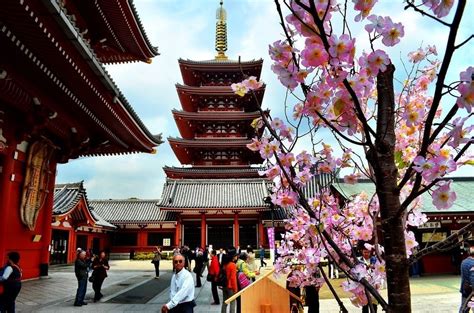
column 132, row 211
column 113, row 28
column 463, row 186
column 237, row 194
column 49, row 61
column 187, row 150
column 213, row 172
column 67, row 197
column 218, row 72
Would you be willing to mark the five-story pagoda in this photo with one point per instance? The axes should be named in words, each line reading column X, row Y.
column 218, row 193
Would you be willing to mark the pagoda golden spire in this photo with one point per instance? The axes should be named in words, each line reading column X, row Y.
column 221, row 32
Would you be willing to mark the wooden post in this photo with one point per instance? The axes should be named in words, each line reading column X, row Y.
column 236, row 229
column 203, row 229
column 261, row 234
column 177, row 237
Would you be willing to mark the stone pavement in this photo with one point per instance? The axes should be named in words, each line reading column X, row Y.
column 56, row 294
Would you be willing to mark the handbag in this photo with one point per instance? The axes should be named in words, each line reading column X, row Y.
column 210, row 277
column 92, row 278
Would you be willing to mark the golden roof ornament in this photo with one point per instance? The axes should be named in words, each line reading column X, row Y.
column 221, row 32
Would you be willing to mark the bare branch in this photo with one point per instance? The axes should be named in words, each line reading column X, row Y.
column 424, row 13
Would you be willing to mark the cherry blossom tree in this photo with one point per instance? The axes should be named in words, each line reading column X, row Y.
column 406, row 135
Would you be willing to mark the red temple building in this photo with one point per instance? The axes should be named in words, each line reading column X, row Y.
column 57, row 102
column 76, row 225
column 217, row 196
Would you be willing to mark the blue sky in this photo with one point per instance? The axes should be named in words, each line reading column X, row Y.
column 186, row 29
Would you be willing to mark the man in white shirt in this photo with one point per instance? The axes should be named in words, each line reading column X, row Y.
column 181, row 289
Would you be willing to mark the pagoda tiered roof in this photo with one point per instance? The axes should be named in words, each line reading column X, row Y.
column 189, row 151
column 112, row 28
column 188, row 121
column 199, row 73
column 221, row 97
column 50, row 73
column 180, row 195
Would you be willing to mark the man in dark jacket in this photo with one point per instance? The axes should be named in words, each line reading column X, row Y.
column 80, row 268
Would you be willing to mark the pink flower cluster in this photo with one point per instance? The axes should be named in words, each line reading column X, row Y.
column 466, row 89
column 391, row 32
column 243, row 87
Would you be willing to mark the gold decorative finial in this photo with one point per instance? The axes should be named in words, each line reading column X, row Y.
column 221, row 33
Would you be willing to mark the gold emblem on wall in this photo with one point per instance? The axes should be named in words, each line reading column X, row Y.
column 35, row 187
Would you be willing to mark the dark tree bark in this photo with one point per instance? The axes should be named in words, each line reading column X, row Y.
column 382, row 160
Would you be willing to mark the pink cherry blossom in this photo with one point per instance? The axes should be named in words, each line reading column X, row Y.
column 351, row 179
column 251, row 83
column 392, row 32
column 314, row 55
column 378, row 60
column 377, row 24
column 364, row 7
column 443, row 196
column 443, row 8
column 417, row 55
column 239, row 89
column 466, row 90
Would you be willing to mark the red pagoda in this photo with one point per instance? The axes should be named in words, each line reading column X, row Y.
column 218, row 195
column 57, row 102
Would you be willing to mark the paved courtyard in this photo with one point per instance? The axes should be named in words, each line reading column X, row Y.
column 131, row 287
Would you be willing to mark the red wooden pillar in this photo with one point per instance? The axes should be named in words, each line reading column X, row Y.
column 72, row 252
column 6, row 193
column 177, row 237
column 142, row 237
column 47, row 219
column 203, row 229
column 236, row 229
column 261, row 234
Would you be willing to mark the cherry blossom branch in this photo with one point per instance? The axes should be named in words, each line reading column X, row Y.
column 450, row 47
column 424, row 13
column 305, row 88
column 464, row 42
column 360, row 114
column 333, row 291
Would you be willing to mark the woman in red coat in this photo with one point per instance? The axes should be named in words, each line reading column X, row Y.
column 214, row 270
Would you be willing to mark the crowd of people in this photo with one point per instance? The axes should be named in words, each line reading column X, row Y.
column 229, row 270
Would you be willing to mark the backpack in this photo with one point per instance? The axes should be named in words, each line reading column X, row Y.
column 221, row 278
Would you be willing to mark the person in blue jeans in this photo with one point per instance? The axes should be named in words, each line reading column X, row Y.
column 80, row 269
column 467, row 279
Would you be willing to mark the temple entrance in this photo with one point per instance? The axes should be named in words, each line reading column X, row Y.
column 192, row 235
column 59, row 246
column 248, row 236
column 220, row 236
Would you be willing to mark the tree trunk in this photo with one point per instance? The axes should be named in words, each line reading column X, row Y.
column 383, row 162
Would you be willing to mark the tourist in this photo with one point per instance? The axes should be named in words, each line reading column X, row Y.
column 80, row 269
column 100, row 266
column 242, row 266
column 181, row 289
column 230, row 287
column 214, row 270
column 296, row 291
column 467, row 279
column 156, row 261
column 11, row 280
column 198, row 265
column 262, row 257
column 220, row 255
column 312, row 298
column 251, row 261
column 176, row 251
column 369, row 260
column 205, row 256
